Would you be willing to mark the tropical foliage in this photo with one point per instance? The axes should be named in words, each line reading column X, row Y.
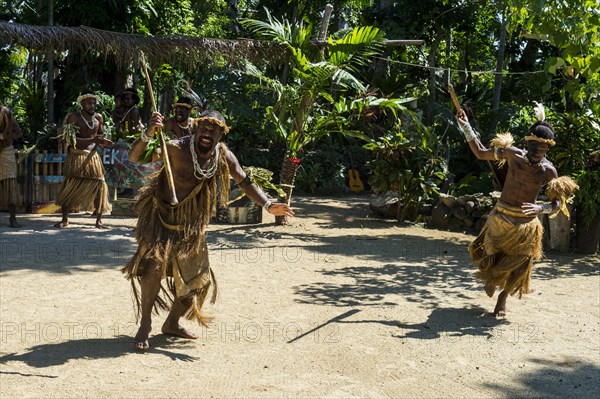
column 323, row 93
column 307, row 82
column 407, row 164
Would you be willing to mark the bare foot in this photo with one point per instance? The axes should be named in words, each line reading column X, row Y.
column 177, row 331
column 14, row 223
column 61, row 224
column 500, row 310
column 99, row 225
column 490, row 289
column 141, row 339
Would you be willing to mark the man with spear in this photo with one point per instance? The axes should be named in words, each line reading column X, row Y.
column 174, row 209
column 511, row 238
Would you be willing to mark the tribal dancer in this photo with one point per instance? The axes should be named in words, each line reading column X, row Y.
column 181, row 124
column 9, row 189
column 83, row 186
column 511, row 239
column 172, row 238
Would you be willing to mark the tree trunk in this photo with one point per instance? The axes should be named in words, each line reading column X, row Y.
column 447, row 74
column 50, row 104
column 498, row 79
column 431, row 61
column 232, row 13
column 287, row 180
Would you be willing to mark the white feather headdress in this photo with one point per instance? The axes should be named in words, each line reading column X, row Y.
column 540, row 114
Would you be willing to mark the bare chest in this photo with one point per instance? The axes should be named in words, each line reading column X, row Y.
column 527, row 174
column 87, row 129
column 185, row 175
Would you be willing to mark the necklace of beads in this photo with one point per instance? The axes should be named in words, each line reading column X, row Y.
column 199, row 172
column 538, row 163
column 86, row 121
column 184, row 127
column 125, row 114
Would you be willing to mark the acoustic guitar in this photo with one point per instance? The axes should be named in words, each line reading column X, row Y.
column 355, row 183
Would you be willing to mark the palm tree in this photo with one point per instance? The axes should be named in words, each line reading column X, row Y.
column 313, row 100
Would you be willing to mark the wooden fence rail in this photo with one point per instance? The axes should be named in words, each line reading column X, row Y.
column 39, row 176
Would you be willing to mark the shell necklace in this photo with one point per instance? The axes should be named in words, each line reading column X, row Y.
column 528, row 161
column 86, row 121
column 125, row 114
column 199, row 172
column 185, row 127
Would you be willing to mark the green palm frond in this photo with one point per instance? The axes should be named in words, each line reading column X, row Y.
column 357, row 48
column 295, row 36
column 300, row 57
column 301, row 34
column 264, row 80
column 346, row 79
column 274, row 29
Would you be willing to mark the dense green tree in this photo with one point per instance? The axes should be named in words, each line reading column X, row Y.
column 551, row 55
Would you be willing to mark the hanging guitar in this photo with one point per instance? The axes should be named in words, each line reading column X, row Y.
column 354, row 182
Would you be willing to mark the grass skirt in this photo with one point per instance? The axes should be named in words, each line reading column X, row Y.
column 505, row 250
column 9, row 188
column 83, row 187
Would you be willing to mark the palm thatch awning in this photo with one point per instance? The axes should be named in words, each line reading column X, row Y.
column 124, row 48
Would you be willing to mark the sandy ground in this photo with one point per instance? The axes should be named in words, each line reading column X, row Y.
column 337, row 305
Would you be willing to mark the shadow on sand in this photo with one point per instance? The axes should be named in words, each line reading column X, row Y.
column 74, row 249
column 54, row 354
column 564, row 378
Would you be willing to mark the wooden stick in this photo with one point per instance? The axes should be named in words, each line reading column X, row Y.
column 454, row 98
column 163, row 144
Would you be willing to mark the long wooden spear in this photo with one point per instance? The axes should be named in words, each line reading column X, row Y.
column 163, row 144
column 454, row 98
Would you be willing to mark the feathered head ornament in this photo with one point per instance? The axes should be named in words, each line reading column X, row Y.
column 185, row 88
column 541, row 130
column 540, row 113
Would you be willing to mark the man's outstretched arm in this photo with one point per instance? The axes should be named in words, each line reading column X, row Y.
column 253, row 191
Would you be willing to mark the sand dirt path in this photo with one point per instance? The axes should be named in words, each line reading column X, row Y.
column 337, row 305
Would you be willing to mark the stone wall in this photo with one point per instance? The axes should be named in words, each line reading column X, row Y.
column 468, row 212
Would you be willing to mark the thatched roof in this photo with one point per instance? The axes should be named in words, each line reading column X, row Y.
column 124, row 48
